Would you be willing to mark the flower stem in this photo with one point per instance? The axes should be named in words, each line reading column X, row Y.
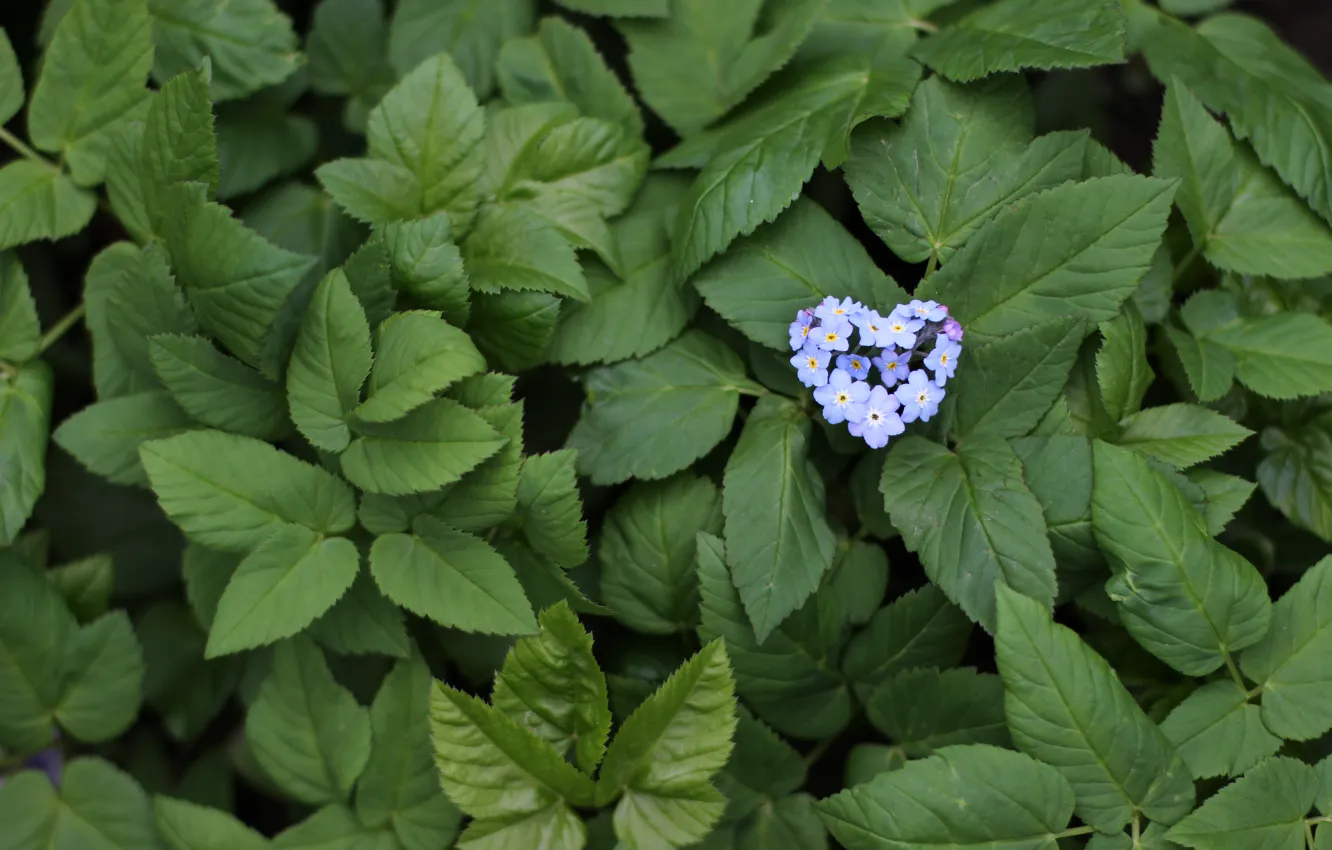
column 58, row 330
column 19, row 147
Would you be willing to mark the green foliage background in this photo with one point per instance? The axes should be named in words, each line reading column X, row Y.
column 398, row 452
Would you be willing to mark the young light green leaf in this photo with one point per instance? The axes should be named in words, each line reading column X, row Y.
column 650, row 418
column 35, row 630
column 93, row 75
column 187, row 826
column 178, row 142
column 790, row 265
column 217, row 390
column 552, row 685
column 331, row 361
column 471, row 33
column 1016, row 34
column 363, row 622
column 417, row 354
column 1264, row 808
column 667, row 802
column 11, row 81
column 1296, row 473
column 1295, row 685
column 960, row 154
column 103, row 686
column 97, row 808
column 921, row 628
column 1218, row 732
column 1066, row 706
column 1283, row 355
column 1186, row 598
column 1122, row 370
column 20, row 329
column 39, row 202
column 789, row 679
column 25, row 422
column 512, row 248
column 925, row 710
column 370, row 190
column 1008, row 276
column 230, row 492
column 962, row 797
column 695, row 66
column 971, row 519
column 550, row 512
column 647, row 552
column 451, row 577
column 1181, row 434
column 424, row 263
column 1241, row 216
column 280, row 588
column 105, row 437
column 432, row 446
column 305, row 730
column 250, row 43
column 778, row 542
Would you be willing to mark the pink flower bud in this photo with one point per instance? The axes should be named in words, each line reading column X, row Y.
column 952, row 329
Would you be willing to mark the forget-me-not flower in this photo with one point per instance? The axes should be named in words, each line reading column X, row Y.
column 892, row 366
column 856, row 365
column 943, row 359
column 834, row 335
column 843, row 399
column 873, row 327
column 800, row 329
column 920, row 397
column 901, row 331
column 832, row 310
column 811, row 364
column 881, row 420
column 952, row 329
column 929, row 311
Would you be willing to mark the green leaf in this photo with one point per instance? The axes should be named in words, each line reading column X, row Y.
column 218, row 390
column 363, row 622
column 183, row 689
column 1186, row 598
column 779, row 543
column 11, row 81
column 369, row 190
column 1181, row 434
column 1218, row 732
column 1265, row 807
column 178, row 143
column 104, row 673
column 653, row 417
column 236, row 280
column 1296, row 473
column 921, row 628
column 348, row 50
column 703, row 60
column 280, row 588
column 668, row 802
column 250, row 43
column 470, row 31
column 20, row 329
column 331, row 361
column 1006, row 386
column 39, row 202
column 1066, row 706
column 512, row 248
column 1016, row 34
column 305, row 730
column 258, row 141
column 560, row 63
column 513, row 330
column 1241, row 216
column 25, row 420
column 788, row 822
column 963, row 797
column 789, row 678
column 551, row 685
column 1284, row 355
column 400, row 786
column 924, row 710
column 620, row 8
column 35, row 630
column 124, row 188
column 97, row 808
column 85, row 584
column 1122, row 371
column 432, row 446
column 105, row 437
column 1058, row 470
column 230, row 492
column 1010, row 275
column 1273, row 97
column 544, row 583
column 93, row 75
column 790, row 265
column 451, row 577
column 424, row 263
column 957, row 158
column 187, row 826
column 417, row 354
column 859, row 580
column 334, row 827
column 763, row 768
column 971, row 519
column 511, row 782
column 488, row 495
column 550, row 512
column 1209, row 367
column 1295, row 685
column 647, row 552
column 1225, row 494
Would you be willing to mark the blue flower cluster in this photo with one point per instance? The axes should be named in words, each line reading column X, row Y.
column 872, row 412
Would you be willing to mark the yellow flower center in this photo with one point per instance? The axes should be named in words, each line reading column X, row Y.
column 898, row 327
column 943, row 359
column 843, row 398
column 920, row 399
column 804, row 331
column 832, row 336
column 813, row 363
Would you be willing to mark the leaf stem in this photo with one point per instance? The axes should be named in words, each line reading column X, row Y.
column 819, row 751
column 923, row 26
column 20, row 147
column 1135, row 831
column 1234, row 672
column 58, row 330
column 1183, row 265
column 932, row 265
column 1073, row 833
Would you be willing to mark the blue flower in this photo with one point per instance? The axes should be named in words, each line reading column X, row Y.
column 881, row 420
column 834, row 335
column 892, row 366
column 943, row 359
column 873, row 327
column 811, row 365
column 832, row 310
column 920, row 397
column 857, row 365
column 930, row 311
column 901, row 331
column 843, row 399
column 800, row 329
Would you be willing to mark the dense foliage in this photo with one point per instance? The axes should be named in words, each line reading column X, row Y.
column 406, row 442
